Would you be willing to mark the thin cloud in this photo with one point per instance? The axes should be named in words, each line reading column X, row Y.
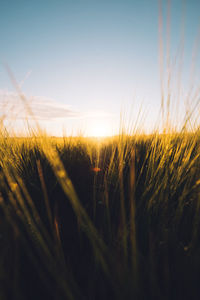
column 41, row 108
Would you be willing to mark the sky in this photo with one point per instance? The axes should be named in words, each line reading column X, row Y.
column 85, row 65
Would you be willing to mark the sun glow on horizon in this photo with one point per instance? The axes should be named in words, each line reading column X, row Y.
column 99, row 129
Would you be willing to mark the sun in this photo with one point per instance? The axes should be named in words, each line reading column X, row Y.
column 99, row 130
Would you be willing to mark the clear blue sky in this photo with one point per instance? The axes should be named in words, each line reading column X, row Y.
column 91, row 58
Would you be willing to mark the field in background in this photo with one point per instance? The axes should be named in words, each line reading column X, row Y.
column 114, row 218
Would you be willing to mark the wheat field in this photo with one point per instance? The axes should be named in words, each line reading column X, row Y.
column 112, row 218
